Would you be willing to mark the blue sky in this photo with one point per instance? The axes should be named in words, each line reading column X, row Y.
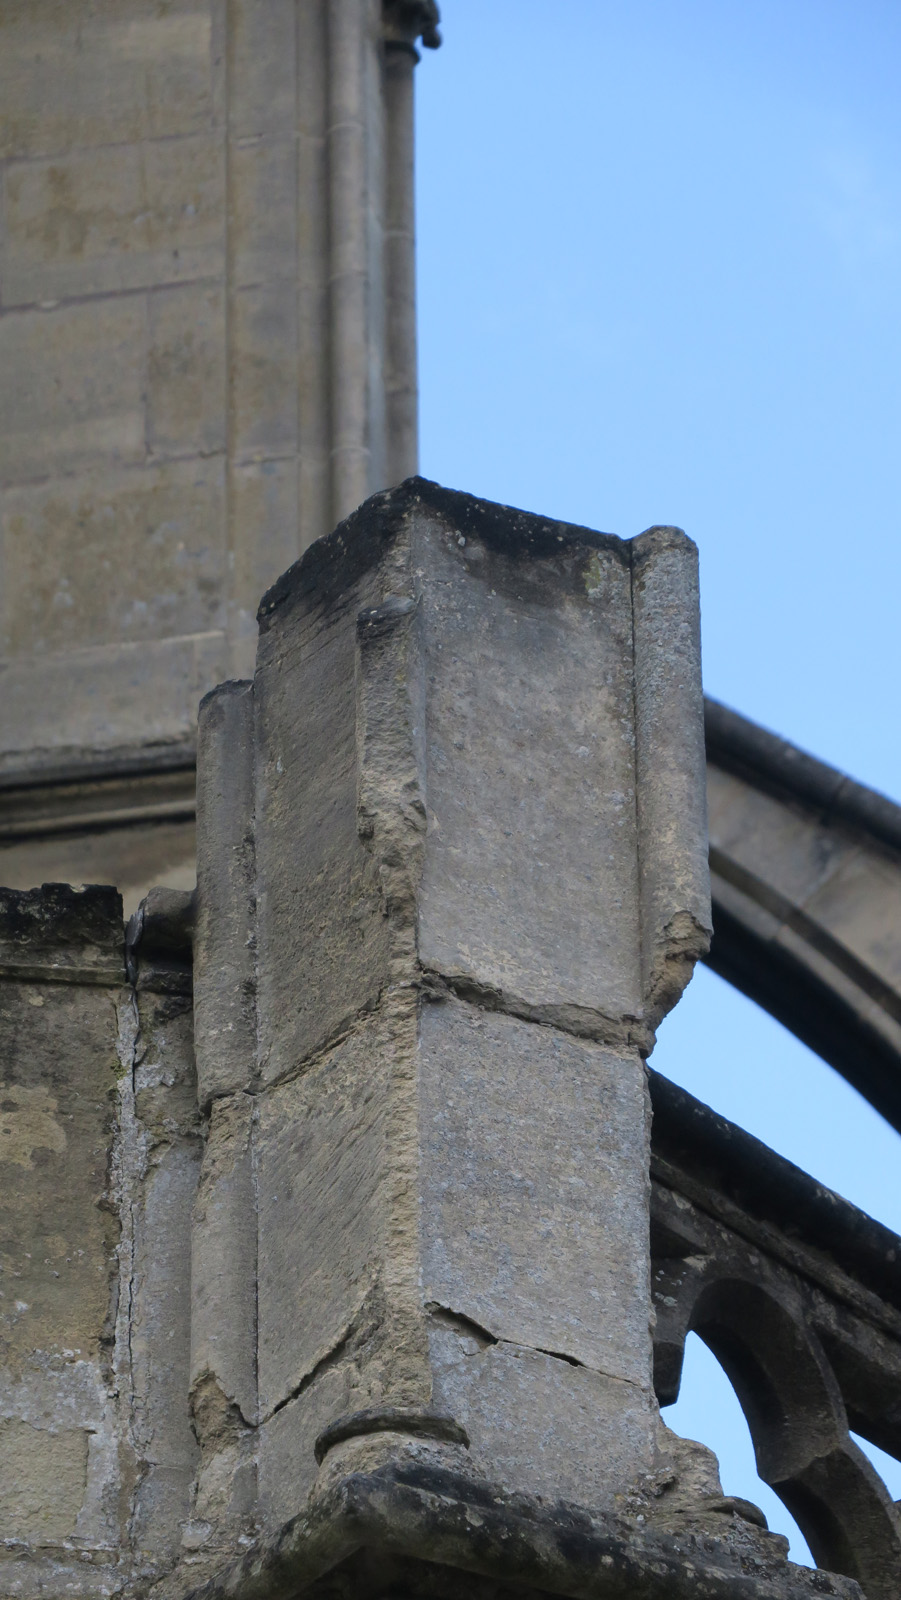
column 659, row 251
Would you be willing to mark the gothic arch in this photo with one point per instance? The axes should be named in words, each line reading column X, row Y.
column 793, row 1404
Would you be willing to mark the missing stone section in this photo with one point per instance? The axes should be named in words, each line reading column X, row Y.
column 390, row 1419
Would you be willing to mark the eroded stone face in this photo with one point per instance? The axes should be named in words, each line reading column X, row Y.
column 530, row 877
column 43, row 1480
column 56, row 1120
column 59, row 1232
column 534, row 1187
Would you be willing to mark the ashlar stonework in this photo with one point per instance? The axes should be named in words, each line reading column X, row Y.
column 337, row 1277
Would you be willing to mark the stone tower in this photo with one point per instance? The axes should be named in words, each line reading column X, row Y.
column 208, row 357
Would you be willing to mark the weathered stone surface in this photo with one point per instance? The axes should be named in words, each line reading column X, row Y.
column 225, row 968
column 224, row 1272
column 527, row 630
column 287, row 1445
column 338, row 1262
column 435, row 1531
column 71, row 588
column 43, row 1479
column 59, row 932
column 177, row 213
column 159, row 1173
column 61, row 968
column 121, row 217
column 669, row 768
column 108, row 697
column 540, row 1425
column 186, row 400
column 55, row 1132
column 307, row 772
column 69, row 408
column 530, row 1136
column 118, row 70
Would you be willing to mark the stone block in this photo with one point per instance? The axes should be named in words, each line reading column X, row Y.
column 264, row 500
column 528, row 1136
column 61, row 971
column 120, row 71
column 59, row 1070
column 264, row 371
column 264, row 54
column 186, row 400
column 338, row 1255
column 287, row 1442
column 447, row 709
column 79, row 395
column 223, row 1274
column 542, row 1426
column 264, row 215
column 124, row 217
column 225, row 922
column 89, row 550
column 43, row 1480
column 530, row 878
column 306, row 781
column 105, row 699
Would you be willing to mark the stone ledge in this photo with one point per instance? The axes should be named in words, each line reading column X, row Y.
column 439, row 1533
column 60, row 934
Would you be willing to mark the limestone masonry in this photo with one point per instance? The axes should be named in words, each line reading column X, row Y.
column 348, row 1246
column 208, row 349
column 352, row 1255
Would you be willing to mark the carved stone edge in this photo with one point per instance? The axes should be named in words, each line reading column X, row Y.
column 460, row 1524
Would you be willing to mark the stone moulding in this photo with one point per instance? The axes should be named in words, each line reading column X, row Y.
column 806, row 881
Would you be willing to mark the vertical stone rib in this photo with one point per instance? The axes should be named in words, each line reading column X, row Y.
column 223, row 1373
column 670, row 765
column 223, row 1279
column 347, row 150
column 224, row 1000
column 401, row 395
column 313, row 269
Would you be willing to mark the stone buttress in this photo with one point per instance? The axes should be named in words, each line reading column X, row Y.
column 368, row 1309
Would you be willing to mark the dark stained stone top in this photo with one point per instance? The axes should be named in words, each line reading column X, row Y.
column 330, row 566
column 64, row 930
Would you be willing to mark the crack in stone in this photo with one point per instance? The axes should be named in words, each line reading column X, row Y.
column 583, row 1022
column 330, row 1359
